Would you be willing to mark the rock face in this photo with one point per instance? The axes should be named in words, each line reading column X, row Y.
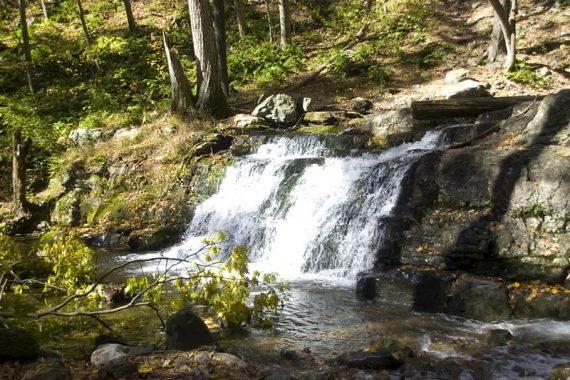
column 186, row 331
column 279, row 108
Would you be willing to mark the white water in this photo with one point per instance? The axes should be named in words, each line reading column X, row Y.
column 303, row 213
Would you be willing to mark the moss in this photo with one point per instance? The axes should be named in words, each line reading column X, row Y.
column 322, row 129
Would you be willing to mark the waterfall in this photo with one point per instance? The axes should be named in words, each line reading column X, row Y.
column 305, row 212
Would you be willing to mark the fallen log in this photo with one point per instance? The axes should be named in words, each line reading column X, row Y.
column 465, row 107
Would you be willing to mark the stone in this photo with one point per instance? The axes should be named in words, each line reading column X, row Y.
column 304, row 105
column 560, row 372
column 320, row 118
column 388, row 128
column 567, row 281
column 126, row 133
column 468, row 88
column 456, row 76
column 543, row 72
column 279, row 108
column 17, row 343
column 186, row 331
column 245, row 121
column 499, row 337
column 110, row 352
column 47, row 368
column 85, row 136
column 480, row 299
column 361, row 105
column 379, row 359
column 541, row 304
column 119, row 368
column 230, row 360
column 67, row 209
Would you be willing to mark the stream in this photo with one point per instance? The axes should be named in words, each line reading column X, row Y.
column 316, row 218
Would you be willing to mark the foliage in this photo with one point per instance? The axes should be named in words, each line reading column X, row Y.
column 524, row 74
column 358, row 62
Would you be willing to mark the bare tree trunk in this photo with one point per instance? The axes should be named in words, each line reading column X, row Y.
column 497, row 46
column 83, row 23
column 211, row 97
column 269, row 22
column 240, row 16
column 220, row 32
column 182, row 101
column 26, row 46
column 285, row 23
column 130, row 17
column 45, row 10
column 507, row 18
column 19, row 151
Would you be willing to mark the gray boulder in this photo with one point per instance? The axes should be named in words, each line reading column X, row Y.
column 361, row 105
column 186, row 331
column 280, row 108
column 465, row 89
column 230, row 360
column 85, row 136
column 389, row 128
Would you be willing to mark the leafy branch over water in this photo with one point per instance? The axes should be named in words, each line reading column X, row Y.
column 62, row 265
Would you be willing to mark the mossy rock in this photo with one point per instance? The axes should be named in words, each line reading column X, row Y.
column 322, row 129
column 67, row 210
column 17, row 343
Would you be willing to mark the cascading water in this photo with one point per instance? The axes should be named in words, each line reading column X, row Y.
column 304, row 212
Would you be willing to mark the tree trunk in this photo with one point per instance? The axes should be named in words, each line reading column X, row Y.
column 240, row 16
column 507, row 22
column 45, row 10
column 211, row 97
column 182, row 100
column 130, row 17
column 285, row 23
column 83, row 23
column 269, row 22
column 19, row 151
column 220, row 32
column 26, row 45
column 497, row 46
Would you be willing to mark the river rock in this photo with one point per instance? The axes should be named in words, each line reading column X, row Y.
column 230, row 360
column 279, row 108
column 304, row 105
column 67, row 209
column 110, row 352
column 378, row 359
column 456, row 76
column 85, row 136
column 322, row 117
column 560, row 372
column 47, row 368
column 120, row 368
column 541, row 303
column 245, row 121
column 465, row 89
column 186, row 331
column 481, row 299
column 17, row 343
column 499, row 337
column 388, row 128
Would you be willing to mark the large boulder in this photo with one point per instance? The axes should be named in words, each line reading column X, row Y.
column 17, row 343
column 374, row 359
column 388, row 128
column 186, row 331
column 456, row 76
column 85, row 136
column 279, row 108
column 111, row 352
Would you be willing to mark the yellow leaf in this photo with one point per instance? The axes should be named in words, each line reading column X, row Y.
column 145, row 370
column 515, row 285
column 420, row 249
column 554, row 291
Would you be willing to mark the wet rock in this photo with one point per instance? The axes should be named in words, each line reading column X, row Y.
column 153, row 239
column 361, row 105
column 212, row 144
column 66, row 211
column 230, row 360
column 17, row 343
column 499, row 337
column 379, row 359
column 245, row 121
column 456, row 76
column 85, row 136
column 480, row 299
column 541, row 303
column 280, row 108
column 560, row 372
column 186, row 331
column 465, row 89
column 304, row 105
